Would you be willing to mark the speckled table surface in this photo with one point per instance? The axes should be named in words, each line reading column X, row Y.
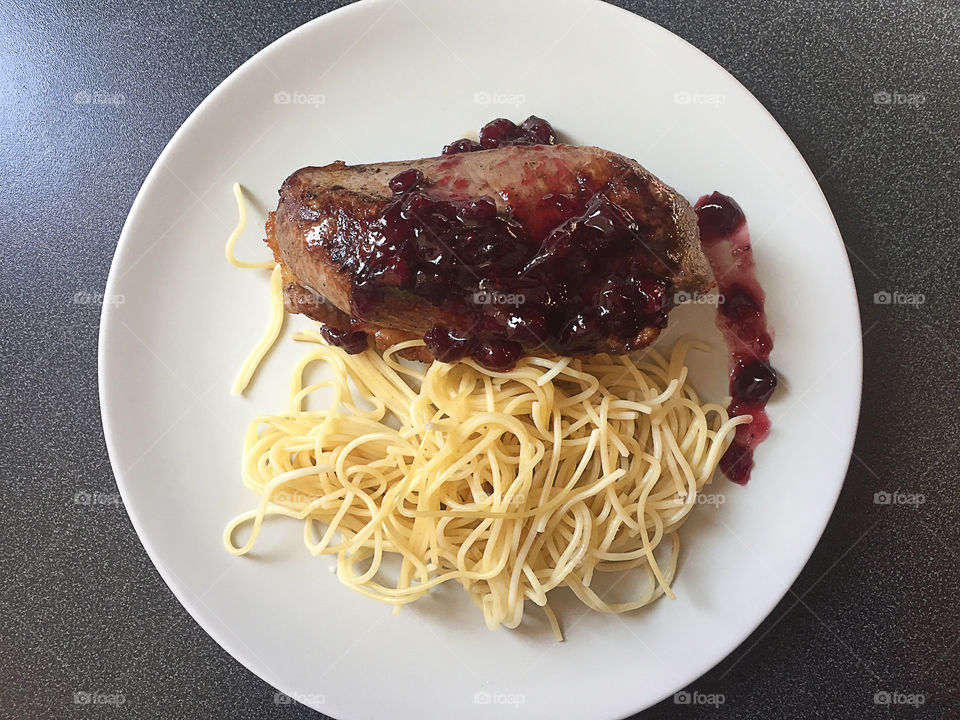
column 869, row 93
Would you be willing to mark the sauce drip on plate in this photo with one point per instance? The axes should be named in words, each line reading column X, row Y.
column 743, row 322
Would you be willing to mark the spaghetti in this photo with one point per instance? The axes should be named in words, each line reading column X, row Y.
column 238, row 230
column 262, row 347
column 512, row 484
column 260, row 350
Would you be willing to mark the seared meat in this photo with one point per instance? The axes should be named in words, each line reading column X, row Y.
column 554, row 249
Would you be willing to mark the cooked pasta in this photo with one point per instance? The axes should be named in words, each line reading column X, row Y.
column 511, row 483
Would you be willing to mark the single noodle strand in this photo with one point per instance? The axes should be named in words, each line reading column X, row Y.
column 263, row 346
column 238, row 231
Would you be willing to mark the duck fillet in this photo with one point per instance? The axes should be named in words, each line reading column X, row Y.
column 582, row 239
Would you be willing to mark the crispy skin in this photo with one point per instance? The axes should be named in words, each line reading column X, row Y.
column 325, row 214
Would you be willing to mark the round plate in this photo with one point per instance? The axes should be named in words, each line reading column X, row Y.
column 385, row 80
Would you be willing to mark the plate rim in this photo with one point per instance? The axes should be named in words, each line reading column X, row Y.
column 107, row 326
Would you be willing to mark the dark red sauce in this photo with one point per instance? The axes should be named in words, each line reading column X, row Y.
column 352, row 341
column 567, row 277
column 743, row 322
column 500, row 132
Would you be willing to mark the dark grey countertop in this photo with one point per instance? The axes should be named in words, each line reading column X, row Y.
column 875, row 610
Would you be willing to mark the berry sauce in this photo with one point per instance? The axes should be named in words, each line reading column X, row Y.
column 569, row 277
column 743, row 322
column 352, row 341
column 501, row 132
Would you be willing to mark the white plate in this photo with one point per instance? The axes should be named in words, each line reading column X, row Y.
column 391, row 80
